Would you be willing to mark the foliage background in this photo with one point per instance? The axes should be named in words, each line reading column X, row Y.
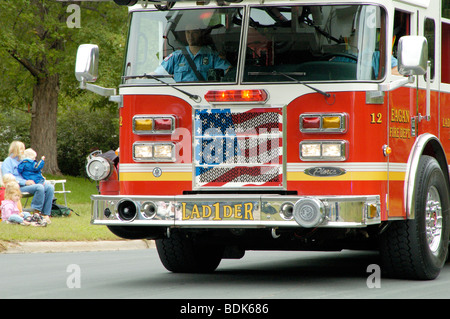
column 86, row 121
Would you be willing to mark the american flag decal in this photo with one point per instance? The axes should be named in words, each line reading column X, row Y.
column 235, row 148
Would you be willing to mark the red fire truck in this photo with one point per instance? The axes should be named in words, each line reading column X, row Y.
column 281, row 125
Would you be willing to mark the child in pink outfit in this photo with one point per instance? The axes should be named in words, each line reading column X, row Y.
column 10, row 211
column 11, row 208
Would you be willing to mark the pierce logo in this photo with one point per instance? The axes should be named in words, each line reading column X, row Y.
column 325, row 171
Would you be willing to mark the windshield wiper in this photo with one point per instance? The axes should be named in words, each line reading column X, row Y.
column 327, row 95
column 195, row 98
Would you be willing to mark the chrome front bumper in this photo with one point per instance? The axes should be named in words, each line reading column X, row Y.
column 236, row 211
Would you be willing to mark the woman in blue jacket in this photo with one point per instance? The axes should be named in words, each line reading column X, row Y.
column 42, row 193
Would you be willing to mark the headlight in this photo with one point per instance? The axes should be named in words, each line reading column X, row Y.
column 154, row 152
column 98, row 168
column 163, row 151
column 323, row 150
column 308, row 150
column 331, row 150
column 143, row 151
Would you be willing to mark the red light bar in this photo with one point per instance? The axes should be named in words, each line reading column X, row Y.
column 236, row 96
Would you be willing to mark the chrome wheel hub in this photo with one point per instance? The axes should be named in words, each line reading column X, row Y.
column 433, row 220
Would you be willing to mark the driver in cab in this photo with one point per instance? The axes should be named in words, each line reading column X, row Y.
column 197, row 61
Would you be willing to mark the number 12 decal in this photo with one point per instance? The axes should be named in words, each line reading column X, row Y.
column 375, row 118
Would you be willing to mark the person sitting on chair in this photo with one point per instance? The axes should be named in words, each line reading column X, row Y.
column 42, row 193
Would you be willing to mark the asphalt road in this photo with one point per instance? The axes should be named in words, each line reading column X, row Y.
column 258, row 276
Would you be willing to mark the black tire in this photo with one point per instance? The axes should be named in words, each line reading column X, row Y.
column 409, row 249
column 182, row 253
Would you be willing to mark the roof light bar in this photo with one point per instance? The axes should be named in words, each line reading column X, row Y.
column 230, row 96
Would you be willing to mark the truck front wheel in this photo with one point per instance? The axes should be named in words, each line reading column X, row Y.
column 182, row 252
column 417, row 248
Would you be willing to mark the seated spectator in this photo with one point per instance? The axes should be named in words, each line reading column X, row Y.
column 7, row 178
column 10, row 211
column 42, row 193
column 12, row 214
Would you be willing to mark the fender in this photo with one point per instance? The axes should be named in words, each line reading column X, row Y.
column 426, row 144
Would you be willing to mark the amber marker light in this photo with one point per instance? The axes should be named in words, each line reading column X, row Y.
column 143, row 124
column 331, row 122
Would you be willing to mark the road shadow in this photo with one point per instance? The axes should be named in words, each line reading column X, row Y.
column 307, row 264
column 288, row 267
column 281, row 275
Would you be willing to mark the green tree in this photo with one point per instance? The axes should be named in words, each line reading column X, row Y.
column 39, row 36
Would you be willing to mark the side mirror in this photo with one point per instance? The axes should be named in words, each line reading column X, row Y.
column 412, row 55
column 86, row 70
column 86, row 67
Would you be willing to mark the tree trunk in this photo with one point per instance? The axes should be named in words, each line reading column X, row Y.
column 43, row 121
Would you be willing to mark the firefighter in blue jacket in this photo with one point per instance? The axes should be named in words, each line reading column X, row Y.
column 203, row 58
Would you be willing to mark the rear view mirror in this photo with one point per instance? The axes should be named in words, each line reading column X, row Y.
column 412, row 55
column 86, row 67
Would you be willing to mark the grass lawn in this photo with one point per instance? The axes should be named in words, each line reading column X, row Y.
column 73, row 228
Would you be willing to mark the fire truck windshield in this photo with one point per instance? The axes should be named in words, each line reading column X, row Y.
column 281, row 44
